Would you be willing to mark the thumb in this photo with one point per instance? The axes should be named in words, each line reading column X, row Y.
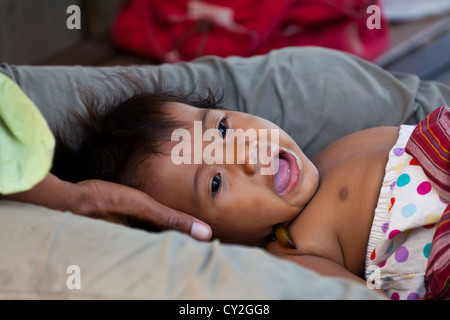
column 167, row 218
column 137, row 206
column 180, row 221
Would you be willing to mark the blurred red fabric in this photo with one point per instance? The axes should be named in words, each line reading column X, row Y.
column 177, row 30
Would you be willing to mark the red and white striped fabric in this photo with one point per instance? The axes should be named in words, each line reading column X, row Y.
column 429, row 144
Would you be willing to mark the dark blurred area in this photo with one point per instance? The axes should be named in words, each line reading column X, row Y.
column 414, row 38
column 35, row 32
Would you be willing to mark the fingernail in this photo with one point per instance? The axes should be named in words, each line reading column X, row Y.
column 200, row 231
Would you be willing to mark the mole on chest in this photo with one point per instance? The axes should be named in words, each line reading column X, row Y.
column 343, row 194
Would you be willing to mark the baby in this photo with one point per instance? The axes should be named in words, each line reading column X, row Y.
column 362, row 205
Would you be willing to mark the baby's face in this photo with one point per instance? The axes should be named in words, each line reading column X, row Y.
column 234, row 184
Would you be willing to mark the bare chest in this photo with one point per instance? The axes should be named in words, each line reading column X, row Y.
column 336, row 223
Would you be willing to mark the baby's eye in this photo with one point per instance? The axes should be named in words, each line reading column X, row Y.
column 223, row 127
column 215, row 185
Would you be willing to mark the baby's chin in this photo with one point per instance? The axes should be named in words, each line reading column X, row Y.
column 307, row 189
column 311, row 186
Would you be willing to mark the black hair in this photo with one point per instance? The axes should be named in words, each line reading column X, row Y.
column 110, row 139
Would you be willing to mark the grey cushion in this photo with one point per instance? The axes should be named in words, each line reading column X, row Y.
column 316, row 95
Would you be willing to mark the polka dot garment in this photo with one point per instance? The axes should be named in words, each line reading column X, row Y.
column 405, row 220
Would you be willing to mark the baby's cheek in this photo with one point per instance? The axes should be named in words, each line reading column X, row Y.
column 260, row 209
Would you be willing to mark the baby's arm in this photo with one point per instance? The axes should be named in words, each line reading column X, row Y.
column 325, row 267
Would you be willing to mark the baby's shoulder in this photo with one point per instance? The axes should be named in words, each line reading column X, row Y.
column 356, row 147
column 352, row 168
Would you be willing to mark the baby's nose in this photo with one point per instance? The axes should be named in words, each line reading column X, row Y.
column 245, row 153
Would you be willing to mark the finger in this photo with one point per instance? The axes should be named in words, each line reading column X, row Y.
column 183, row 222
column 138, row 206
column 166, row 218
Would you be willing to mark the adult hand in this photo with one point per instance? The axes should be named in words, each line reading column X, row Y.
column 111, row 202
column 121, row 204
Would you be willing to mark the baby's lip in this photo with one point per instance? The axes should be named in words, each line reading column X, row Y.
column 286, row 180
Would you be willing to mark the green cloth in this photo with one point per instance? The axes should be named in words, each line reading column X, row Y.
column 26, row 141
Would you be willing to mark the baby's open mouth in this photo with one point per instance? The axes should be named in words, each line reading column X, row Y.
column 287, row 175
